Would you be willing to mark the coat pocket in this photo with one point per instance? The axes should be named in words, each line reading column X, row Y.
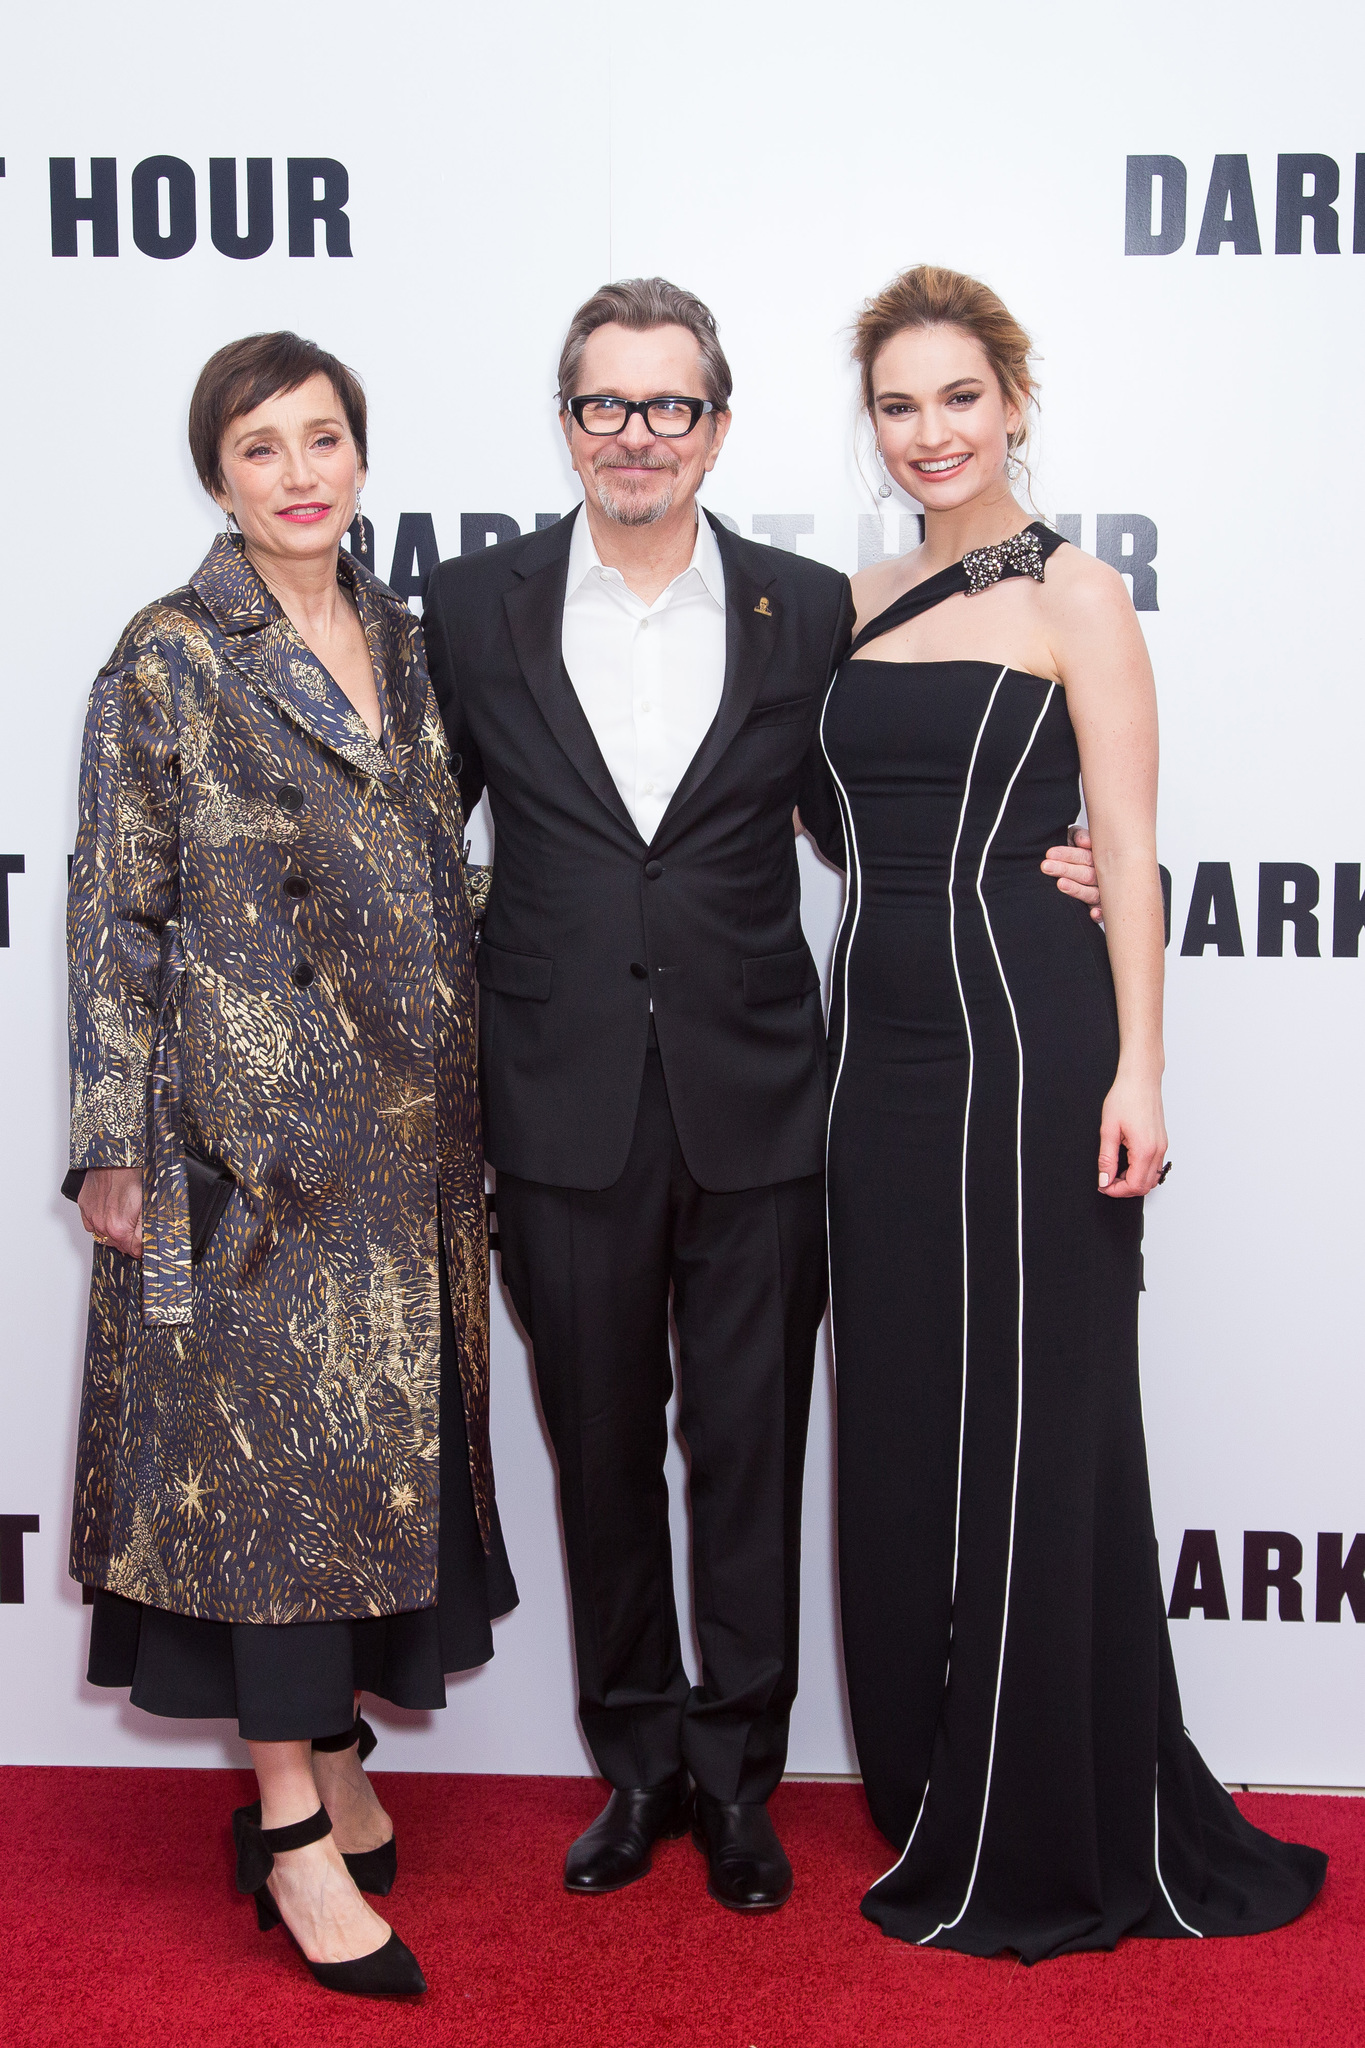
column 514, row 974
column 778, row 977
column 784, row 712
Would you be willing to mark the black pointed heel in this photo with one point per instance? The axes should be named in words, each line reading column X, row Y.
column 372, row 1870
column 389, row 1972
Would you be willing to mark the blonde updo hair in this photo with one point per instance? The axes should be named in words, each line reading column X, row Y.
column 929, row 296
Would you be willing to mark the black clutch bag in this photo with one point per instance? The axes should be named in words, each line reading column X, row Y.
column 210, row 1190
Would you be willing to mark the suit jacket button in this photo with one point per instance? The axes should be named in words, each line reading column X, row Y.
column 297, row 885
column 654, row 868
column 640, row 971
column 289, row 797
column 302, row 974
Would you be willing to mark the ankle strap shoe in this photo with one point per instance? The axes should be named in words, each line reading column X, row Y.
column 392, row 1971
column 372, row 1870
column 257, row 1847
column 359, row 1733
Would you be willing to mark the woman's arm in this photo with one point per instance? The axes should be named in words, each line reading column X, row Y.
column 1101, row 658
column 124, row 889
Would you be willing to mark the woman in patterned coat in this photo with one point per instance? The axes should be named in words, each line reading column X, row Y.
column 283, row 1489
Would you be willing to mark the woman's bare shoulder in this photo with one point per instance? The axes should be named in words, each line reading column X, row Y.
column 1077, row 586
column 1091, row 627
column 879, row 585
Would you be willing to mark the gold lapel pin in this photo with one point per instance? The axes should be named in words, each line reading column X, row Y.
column 763, row 608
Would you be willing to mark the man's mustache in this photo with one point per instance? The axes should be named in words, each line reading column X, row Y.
column 605, row 461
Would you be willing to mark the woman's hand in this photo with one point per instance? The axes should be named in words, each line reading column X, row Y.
column 1132, row 1116
column 110, row 1203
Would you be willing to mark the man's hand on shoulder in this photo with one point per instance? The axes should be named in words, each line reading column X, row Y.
column 1074, row 869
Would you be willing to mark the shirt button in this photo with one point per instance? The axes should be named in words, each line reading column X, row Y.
column 297, row 885
column 646, row 789
column 644, row 625
column 645, row 707
column 302, row 974
column 640, row 971
column 289, row 798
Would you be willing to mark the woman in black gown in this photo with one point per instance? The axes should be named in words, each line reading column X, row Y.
column 1014, row 1701
column 283, row 1488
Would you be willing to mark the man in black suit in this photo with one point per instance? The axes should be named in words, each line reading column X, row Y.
column 639, row 692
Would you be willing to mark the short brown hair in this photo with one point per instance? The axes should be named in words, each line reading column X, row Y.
column 928, row 296
column 642, row 303
column 244, row 374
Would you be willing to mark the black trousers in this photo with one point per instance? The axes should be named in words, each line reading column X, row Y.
column 590, row 1275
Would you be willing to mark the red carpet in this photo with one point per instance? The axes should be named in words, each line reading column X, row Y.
column 121, row 1926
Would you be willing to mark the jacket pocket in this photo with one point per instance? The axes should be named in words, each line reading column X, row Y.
column 514, row 974
column 784, row 713
column 778, row 977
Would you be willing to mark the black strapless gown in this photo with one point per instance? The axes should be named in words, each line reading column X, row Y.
column 1013, row 1694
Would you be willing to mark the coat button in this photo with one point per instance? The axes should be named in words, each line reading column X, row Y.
column 640, row 972
column 654, row 868
column 297, row 885
column 302, row 974
column 289, row 797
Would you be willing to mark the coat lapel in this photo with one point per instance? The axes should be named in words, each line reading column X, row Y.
column 263, row 645
column 391, row 631
column 535, row 614
column 750, row 636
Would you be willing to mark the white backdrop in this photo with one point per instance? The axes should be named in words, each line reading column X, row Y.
column 782, row 161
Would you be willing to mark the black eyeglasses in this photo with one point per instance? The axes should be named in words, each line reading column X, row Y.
column 669, row 418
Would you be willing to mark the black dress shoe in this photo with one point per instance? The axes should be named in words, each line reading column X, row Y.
column 748, row 1867
column 614, row 1851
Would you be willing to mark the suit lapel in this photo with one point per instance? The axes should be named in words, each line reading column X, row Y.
column 750, row 636
column 535, row 614
column 264, row 647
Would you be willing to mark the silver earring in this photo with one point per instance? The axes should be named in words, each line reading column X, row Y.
column 232, row 527
column 358, row 521
column 884, row 487
column 1014, row 468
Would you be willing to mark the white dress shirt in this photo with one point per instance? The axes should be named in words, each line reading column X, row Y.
column 649, row 676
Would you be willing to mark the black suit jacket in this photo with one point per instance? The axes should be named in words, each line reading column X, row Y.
column 586, row 923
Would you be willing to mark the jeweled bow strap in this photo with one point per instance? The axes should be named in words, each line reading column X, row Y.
column 1022, row 553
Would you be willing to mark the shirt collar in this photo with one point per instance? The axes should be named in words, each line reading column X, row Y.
column 584, row 558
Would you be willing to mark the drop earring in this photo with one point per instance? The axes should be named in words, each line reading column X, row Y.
column 232, row 529
column 884, row 487
column 358, row 521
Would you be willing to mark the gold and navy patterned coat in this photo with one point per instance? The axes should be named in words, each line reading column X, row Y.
column 271, row 929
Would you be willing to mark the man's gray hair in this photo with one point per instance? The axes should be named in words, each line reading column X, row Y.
column 642, row 303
